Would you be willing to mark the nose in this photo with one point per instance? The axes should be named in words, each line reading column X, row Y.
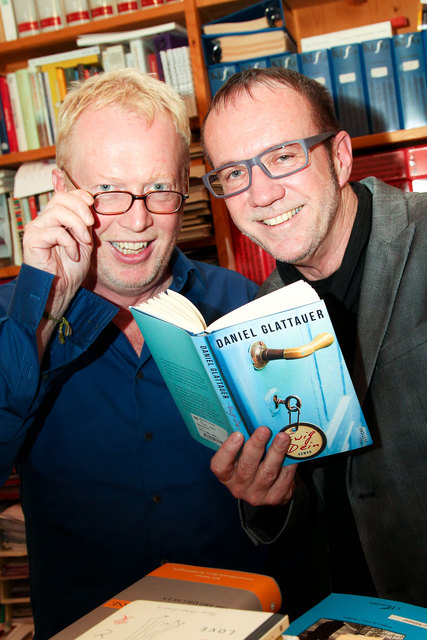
column 137, row 218
column 264, row 190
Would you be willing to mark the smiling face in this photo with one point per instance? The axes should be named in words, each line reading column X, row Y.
column 304, row 219
column 113, row 149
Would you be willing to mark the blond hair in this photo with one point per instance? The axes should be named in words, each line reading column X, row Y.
column 130, row 89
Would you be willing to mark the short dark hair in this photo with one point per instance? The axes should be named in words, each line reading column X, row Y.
column 317, row 95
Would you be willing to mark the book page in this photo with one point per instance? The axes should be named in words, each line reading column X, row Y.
column 293, row 295
column 176, row 309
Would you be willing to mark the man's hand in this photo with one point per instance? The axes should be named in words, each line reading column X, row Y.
column 251, row 477
column 59, row 241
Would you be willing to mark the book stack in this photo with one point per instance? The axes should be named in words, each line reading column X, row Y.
column 220, row 596
column 197, row 218
column 249, row 37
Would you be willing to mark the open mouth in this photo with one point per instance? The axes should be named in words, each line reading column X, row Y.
column 130, row 248
column 271, row 222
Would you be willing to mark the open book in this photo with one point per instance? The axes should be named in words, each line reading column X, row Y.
column 274, row 361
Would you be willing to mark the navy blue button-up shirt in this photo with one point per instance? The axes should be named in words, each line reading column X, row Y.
column 112, row 483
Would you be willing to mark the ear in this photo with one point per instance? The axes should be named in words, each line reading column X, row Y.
column 342, row 157
column 58, row 180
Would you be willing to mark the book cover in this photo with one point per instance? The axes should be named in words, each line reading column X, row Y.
column 27, row 106
column 4, row 140
column 16, row 228
column 189, row 584
column 219, row 73
column 317, row 65
column 8, row 115
column 5, row 237
column 275, row 361
column 146, row 620
column 287, row 61
column 345, row 617
column 384, row 103
column 411, row 78
column 351, row 92
column 8, row 20
column 38, row 98
column 18, row 117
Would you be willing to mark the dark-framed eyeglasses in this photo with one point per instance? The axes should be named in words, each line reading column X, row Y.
column 279, row 161
column 110, row 203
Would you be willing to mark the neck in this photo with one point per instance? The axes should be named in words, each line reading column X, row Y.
column 328, row 257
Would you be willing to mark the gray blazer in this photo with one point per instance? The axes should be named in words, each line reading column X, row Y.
column 387, row 482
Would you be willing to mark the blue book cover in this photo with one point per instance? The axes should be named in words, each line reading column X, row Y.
column 287, row 61
column 219, row 73
column 381, row 80
column 317, row 65
column 412, row 78
column 342, row 615
column 351, row 91
column 275, row 361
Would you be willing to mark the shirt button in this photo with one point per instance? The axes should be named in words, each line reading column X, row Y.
column 157, row 498
column 140, row 375
column 148, row 435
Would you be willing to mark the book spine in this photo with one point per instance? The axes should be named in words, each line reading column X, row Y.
column 18, row 117
column 17, row 229
column 351, row 94
column 382, row 85
column 27, row 105
column 8, row 20
column 412, row 78
column 38, row 108
column 8, row 115
column 6, row 247
column 4, row 140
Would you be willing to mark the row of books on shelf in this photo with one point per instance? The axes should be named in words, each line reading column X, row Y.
column 22, row 18
column 17, row 207
column 377, row 85
column 404, row 168
column 30, row 97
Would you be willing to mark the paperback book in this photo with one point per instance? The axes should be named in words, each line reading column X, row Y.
column 275, row 361
column 146, row 620
column 347, row 617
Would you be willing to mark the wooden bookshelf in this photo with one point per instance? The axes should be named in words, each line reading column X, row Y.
column 303, row 18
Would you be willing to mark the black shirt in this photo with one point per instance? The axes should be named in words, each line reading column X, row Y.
column 341, row 293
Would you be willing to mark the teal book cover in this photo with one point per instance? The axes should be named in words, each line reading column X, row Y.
column 268, row 363
column 347, row 616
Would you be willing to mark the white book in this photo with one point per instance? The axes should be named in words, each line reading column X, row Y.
column 347, row 36
column 18, row 117
column 87, row 39
column 114, row 57
column 141, row 48
column 65, row 55
column 8, row 20
column 146, row 620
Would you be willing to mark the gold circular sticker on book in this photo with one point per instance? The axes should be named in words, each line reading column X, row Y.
column 307, row 440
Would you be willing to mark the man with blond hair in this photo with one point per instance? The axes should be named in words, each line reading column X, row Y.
column 112, row 483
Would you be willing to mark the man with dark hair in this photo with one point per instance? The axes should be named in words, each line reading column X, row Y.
column 282, row 163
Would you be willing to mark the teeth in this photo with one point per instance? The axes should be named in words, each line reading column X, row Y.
column 129, row 247
column 283, row 217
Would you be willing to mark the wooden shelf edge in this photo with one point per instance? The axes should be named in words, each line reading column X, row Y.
column 390, row 138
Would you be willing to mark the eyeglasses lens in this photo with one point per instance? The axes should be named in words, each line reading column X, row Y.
column 277, row 163
column 120, row 201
